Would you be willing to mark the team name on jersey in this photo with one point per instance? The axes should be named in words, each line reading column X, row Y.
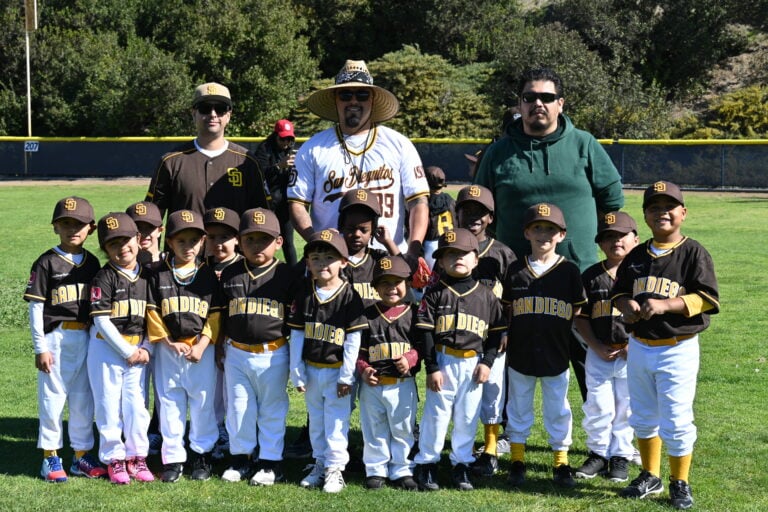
column 387, row 351
column 542, row 306
column 364, row 178
column 461, row 322
column 655, row 285
column 327, row 333
column 256, row 306
column 366, row 291
column 128, row 307
column 68, row 293
column 604, row 308
column 184, row 304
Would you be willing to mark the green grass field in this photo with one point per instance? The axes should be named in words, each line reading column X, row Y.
column 730, row 467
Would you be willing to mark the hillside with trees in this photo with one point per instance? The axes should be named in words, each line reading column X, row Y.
column 632, row 68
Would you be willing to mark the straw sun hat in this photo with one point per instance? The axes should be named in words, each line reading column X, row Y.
column 354, row 75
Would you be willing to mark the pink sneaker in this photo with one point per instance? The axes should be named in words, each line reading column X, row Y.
column 137, row 468
column 117, row 472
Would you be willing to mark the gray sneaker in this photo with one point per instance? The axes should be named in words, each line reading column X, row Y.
column 618, row 469
column 593, row 466
column 680, row 494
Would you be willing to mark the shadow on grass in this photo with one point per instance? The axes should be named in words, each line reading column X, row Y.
column 18, row 444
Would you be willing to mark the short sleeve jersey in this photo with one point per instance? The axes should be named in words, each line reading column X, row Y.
column 62, row 286
column 257, row 300
column 542, row 308
column 494, row 262
column 185, row 306
column 686, row 268
column 360, row 275
column 326, row 322
column 603, row 317
column 123, row 297
column 386, row 339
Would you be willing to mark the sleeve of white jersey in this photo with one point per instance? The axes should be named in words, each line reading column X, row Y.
column 302, row 185
column 414, row 181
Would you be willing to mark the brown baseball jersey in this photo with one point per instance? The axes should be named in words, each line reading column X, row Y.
column 188, row 179
column 599, row 310
column 185, row 306
column 326, row 322
column 685, row 269
column 123, row 297
column 256, row 301
column 542, row 308
column 62, row 287
column 360, row 275
column 387, row 338
column 494, row 261
column 219, row 266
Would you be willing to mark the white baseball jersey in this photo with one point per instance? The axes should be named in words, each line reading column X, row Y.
column 383, row 161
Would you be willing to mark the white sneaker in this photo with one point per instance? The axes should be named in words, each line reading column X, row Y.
column 502, row 445
column 334, row 480
column 268, row 475
column 315, row 478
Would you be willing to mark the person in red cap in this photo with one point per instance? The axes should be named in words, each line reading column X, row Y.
column 275, row 156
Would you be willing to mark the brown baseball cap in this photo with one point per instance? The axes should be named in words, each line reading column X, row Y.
column 181, row 220
column 330, row 238
column 145, row 211
column 619, row 222
column 395, row 266
column 360, row 197
column 223, row 216
column 435, row 177
column 478, row 194
column 212, row 92
column 73, row 207
column 663, row 188
column 259, row 220
column 546, row 212
column 116, row 225
column 460, row 239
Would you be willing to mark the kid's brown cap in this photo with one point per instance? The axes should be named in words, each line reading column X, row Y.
column 663, row 188
column 73, row 207
column 223, row 216
column 181, row 220
column 259, row 220
column 116, row 225
column 546, row 212
column 395, row 266
column 460, row 239
column 330, row 238
column 619, row 222
column 360, row 197
column 435, row 177
column 478, row 194
column 145, row 211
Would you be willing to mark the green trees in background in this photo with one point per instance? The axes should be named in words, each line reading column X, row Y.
column 128, row 67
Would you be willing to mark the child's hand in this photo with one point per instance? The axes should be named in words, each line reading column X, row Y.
column 143, row 356
column 135, row 358
column 195, row 353
column 381, row 234
column 402, row 365
column 435, row 381
column 481, row 373
column 369, row 376
column 301, row 389
column 653, row 307
column 44, row 362
column 343, row 390
column 630, row 310
column 606, row 353
column 179, row 348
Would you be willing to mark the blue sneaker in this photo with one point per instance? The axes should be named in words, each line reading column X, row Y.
column 53, row 470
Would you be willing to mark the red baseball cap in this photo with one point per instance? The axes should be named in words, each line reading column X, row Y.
column 284, row 129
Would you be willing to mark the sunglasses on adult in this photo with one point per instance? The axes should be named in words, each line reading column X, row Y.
column 544, row 97
column 207, row 108
column 361, row 95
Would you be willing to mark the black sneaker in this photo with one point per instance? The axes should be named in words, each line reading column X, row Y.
column 268, row 472
column 406, row 483
column 171, row 472
column 680, row 494
column 593, row 466
column 460, row 476
column 201, row 466
column 516, row 476
column 375, row 482
column 240, row 469
column 300, row 448
column 642, row 486
column 426, row 477
column 618, row 469
column 486, row 465
column 562, row 475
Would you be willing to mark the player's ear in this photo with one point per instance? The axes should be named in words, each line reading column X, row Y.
column 91, row 228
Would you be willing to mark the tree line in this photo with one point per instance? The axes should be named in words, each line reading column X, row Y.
column 128, row 67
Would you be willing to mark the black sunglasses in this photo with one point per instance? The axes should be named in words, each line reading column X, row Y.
column 207, row 108
column 361, row 95
column 545, row 97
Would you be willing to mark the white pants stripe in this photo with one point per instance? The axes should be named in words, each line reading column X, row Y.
column 606, row 410
column 68, row 381
column 257, row 401
column 555, row 408
column 387, row 419
column 459, row 400
column 182, row 384
column 662, row 386
column 328, row 417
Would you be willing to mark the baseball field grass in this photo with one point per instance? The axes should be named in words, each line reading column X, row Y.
column 730, row 466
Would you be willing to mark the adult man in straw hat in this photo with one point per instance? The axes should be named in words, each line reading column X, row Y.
column 359, row 153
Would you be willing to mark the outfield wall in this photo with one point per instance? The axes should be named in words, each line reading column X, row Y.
column 720, row 164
